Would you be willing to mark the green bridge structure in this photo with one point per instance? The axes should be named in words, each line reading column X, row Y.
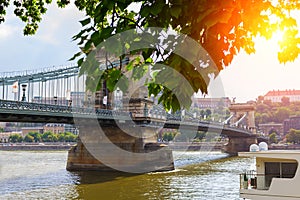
column 128, row 138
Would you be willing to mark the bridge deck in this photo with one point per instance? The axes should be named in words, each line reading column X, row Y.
column 16, row 111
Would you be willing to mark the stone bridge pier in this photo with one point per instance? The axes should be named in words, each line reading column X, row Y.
column 238, row 144
column 119, row 147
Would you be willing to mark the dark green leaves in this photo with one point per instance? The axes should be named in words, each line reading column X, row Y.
column 85, row 22
column 175, row 11
column 3, row 6
column 62, row 3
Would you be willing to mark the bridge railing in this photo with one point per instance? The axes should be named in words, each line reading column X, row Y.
column 20, row 105
column 170, row 118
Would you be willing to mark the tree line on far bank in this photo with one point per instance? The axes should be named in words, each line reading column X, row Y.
column 190, row 136
column 44, row 137
column 293, row 136
column 268, row 111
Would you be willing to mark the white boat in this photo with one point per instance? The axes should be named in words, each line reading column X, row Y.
column 277, row 176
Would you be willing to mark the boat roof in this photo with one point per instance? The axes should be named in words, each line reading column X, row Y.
column 274, row 154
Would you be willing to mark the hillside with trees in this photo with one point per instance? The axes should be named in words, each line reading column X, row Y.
column 267, row 112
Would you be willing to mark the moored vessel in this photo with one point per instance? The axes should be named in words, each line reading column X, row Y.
column 276, row 177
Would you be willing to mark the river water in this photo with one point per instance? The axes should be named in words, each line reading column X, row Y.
column 42, row 175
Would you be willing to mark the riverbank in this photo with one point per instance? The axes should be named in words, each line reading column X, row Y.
column 36, row 147
column 176, row 146
column 179, row 146
column 196, row 146
column 284, row 147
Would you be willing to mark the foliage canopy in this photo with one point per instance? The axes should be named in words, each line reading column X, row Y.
column 222, row 28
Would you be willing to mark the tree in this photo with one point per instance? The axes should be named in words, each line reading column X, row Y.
column 281, row 114
column 15, row 138
column 36, row 136
column 70, row 137
column 262, row 108
column 49, row 137
column 273, row 138
column 285, row 101
column 222, row 28
column 61, row 137
column 208, row 112
column 28, row 138
column 293, row 136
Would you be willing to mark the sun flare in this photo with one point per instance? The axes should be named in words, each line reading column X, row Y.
column 277, row 38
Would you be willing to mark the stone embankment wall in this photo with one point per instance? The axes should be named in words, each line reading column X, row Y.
column 197, row 146
column 285, row 147
column 51, row 147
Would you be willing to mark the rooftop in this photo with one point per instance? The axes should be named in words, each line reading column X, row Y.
column 283, row 92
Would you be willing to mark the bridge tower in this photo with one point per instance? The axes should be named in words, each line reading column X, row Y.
column 243, row 115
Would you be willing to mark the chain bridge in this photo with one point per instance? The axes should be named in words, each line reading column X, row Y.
column 58, row 95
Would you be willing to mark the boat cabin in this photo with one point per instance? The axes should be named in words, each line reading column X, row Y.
column 276, row 175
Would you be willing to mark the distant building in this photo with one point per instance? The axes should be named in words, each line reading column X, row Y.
column 54, row 128
column 291, row 123
column 26, row 130
column 271, row 127
column 4, row 137
column 211, row 103
column 277, row 95
column 60, row 128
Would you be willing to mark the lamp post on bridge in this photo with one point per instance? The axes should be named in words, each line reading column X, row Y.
column 145, row 107
column 89, row 97
column 118, row 99
column 24, row 89
column 55, row 100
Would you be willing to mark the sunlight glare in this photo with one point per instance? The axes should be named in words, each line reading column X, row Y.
column 277, row 38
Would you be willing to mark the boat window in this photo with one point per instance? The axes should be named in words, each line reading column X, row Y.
column 288, row 170
column 279, row 170
column 272, row 169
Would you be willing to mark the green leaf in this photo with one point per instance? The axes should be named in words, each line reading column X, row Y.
column 85, row 21
column 75, row 56
column 113, row 77
column 123, row 83
column 95, row 37
column 75, row 37
column 149, row 60
column 133, row 63
column 157, row 7
column 139, row 71
column 106, row 32
column 80, row 61
column 175, row 11
column 154, row 88
column 145, row 11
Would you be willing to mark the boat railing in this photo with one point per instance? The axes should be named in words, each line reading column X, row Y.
column 252, row 180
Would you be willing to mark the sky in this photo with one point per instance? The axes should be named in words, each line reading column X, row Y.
column 245, row 79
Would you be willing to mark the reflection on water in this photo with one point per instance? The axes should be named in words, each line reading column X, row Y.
column 42, row 175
